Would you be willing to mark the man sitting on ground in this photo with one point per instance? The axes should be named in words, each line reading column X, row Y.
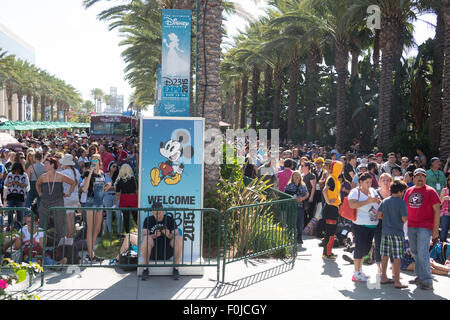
column 159, row 232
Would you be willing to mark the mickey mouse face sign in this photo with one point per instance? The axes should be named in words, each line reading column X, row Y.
column 173, row 150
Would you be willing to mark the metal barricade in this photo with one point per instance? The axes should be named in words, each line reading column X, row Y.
column 260, row 229
column 83, row 245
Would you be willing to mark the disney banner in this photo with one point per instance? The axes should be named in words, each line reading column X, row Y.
column 171, row 173
column 176, row 63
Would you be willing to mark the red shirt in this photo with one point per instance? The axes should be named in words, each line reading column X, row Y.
column 121, row 156
column 106, row 159
column 420, row 203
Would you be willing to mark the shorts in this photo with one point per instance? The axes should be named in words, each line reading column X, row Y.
column 71, row 202
column 392, row 246
column 163, row 250
column 94, row 203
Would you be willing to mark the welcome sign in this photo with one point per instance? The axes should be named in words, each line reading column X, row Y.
column 171, row 172
column 176, row 63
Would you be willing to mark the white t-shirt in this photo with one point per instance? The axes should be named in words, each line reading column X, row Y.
column 366, row 215
column 26, row 235
column 66, row 187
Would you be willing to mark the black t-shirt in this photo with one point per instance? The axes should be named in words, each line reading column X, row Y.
column 330, row 184
column 152, row 225
column 126, row 186
column 347, row 169
column 307, row 179
column 95, row 179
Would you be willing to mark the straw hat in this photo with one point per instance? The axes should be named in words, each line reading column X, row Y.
column 67, row 160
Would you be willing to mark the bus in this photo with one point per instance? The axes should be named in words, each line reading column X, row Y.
column 116, row 126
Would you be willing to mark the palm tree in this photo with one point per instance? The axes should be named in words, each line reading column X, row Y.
column 98, row 95
column 445, row 128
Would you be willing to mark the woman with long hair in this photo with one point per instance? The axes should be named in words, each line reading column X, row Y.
column 72, row 201
column 17, row 184
column 108, row 200
column 126, row 191
column 20, row 158
column 50, row 189
column 29, row 159
column 94, row 184
column 297, row 188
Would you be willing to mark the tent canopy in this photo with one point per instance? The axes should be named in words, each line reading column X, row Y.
column 36, row 125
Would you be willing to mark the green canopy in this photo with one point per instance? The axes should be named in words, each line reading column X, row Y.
column 36, row 125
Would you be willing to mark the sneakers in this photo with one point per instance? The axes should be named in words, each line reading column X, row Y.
column 94, row 259
column 331, row 257
column 176, row 274
column 359, row 277
column 426, row 286
column 145, row 275
column 348, row 259
column 416, row 281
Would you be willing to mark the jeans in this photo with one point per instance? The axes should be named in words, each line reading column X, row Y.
column 14, row 204
column 445, row 224
column 300, row 222
column 419, row 241
column 108, row 202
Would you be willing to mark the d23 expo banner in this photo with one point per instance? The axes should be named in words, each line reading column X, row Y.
column 176, row 63
column 171, row 172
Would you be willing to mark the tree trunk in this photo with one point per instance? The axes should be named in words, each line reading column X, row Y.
column 237, row 103
column 436, row 85
column 229, row 107
column 244, row 100
column 294, row 70
column 445, row 129
column 35, row 108
column 9, row 97
column 268, row 86
column 256, row 79
column 209, row 37
column 341, row 116
column 376, row 56
column 389, row 39
column 277, row 79
column 314, row 57
column 355, row 63
column 20, row 105
column 43, row 100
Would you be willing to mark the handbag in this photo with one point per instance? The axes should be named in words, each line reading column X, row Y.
column 346, row 212
column 129, row 257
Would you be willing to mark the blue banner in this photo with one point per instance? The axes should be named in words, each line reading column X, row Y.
column 176, row 63
column 171, row 172
column 158, row 93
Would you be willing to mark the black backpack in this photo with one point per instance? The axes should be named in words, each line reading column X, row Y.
column 129, row 257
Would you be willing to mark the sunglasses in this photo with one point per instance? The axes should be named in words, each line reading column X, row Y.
column 22, row 157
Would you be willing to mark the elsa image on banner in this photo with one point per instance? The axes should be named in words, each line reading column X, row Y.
column 174, row 64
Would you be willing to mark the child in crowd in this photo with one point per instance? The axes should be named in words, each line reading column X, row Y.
column 393, row 212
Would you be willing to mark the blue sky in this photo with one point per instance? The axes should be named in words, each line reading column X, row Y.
column 73, row 45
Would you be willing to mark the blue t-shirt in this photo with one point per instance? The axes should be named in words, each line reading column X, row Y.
column 393, row 209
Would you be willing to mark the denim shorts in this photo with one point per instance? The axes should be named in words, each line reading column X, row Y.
column 97, row 200
column 93, row 203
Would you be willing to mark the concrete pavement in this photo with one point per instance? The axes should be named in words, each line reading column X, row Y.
column 255, row 279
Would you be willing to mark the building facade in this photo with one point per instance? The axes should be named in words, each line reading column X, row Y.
column 14, row 45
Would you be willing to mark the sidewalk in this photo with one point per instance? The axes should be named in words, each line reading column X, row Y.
column 255, row 279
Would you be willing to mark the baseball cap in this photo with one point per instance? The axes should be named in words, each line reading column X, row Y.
column 434, row 159
column 157, row 205
column 379, row 154
column 362, row 165
column 420, row 171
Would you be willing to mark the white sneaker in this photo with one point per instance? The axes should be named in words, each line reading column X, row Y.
column 359, row 277
column 365, row 275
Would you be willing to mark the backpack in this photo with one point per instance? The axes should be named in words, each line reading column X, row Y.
column 346, row 212
column 129, row 257
column 439, row 252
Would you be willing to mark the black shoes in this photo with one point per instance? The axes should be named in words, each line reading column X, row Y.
column 145, row 275
column 176, row 274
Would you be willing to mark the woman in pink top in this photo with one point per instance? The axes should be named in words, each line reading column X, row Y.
column 445, row 211
column 285, row 175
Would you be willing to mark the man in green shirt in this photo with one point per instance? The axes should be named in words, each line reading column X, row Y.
column 435, row 176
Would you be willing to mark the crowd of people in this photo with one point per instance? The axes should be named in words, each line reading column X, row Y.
column 70, row 170
column 398, row 203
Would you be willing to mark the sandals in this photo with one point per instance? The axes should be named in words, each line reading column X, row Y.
column 389, row 281
column 403, row 286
